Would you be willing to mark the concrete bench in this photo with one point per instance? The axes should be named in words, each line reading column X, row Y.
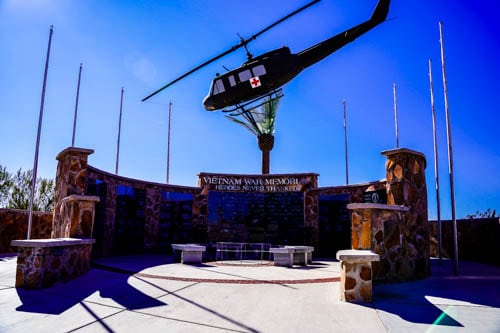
column 292, row 255
column 356, row 279
column 190, row 253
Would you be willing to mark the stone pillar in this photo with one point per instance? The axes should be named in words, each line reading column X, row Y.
column 311, row 210
column 406, row 185
column 356, row 278
column 378, row 227
column 70, row 179
column 152, row 223
column 77, row 214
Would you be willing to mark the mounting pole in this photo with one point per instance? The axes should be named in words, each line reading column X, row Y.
column 76, row 106
column 396, row 114
column 168, row 141
column 346, row 150
column 119, row 132
column 450, row 150
column 37, row 148
column 436, row 168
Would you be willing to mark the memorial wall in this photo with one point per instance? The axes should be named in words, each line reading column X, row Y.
column 135, row 216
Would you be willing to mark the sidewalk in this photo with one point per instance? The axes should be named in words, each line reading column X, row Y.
column 150, row 294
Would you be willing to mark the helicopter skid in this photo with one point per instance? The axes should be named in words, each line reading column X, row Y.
column 239, row 109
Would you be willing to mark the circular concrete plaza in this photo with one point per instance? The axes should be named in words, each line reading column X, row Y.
column 228, row 271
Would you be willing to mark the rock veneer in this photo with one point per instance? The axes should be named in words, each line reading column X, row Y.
column 14, row 225
column 398, row 232
column 42, row 262
column 378, row 227
column 406, row 185
column 77, row 214
column 356, row 278
column 70, row 179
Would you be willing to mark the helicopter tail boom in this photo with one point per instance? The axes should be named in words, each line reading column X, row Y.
column 323, row 49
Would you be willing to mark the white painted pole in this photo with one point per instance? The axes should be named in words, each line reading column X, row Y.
column 76, row 105
column 40, row 118
column 436, row 168
column 168, row 142
column 450, row 149
column 346, row 150
column 396, row 114
column 119, row 133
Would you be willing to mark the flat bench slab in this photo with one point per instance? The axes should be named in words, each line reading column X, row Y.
column 52, row 242
column 190, row 253
column 357, row 256
column 290, row 255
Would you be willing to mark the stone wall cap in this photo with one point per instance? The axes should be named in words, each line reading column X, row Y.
column 396, row 151
column 357, row 255
column 282, row 250
column 188, row 247
column 377, row 206
column 69, row 150
column 52, row 242
column 77, row 197
column 300, row 247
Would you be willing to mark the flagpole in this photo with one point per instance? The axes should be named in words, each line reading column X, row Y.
column 450, row 149
column 168, row 142
column 76, row 106
column 346, row 150
column 119, row 132
column 40, row 118
column 436, row 168
column 396, row 114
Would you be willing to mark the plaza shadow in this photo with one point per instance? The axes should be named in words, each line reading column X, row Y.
column 431, row 301
column 111, row 284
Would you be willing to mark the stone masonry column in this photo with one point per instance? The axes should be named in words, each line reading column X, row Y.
column 356, row 278
column 77, row 215
column 70, row 179
column 377, row 227
column 406, row 185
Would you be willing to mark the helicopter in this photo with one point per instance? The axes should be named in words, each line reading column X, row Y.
column 264, row 75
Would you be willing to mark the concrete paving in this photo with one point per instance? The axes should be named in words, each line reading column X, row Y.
column 151, row 294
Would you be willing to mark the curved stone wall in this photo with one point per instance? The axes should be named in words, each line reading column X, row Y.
column 147, row 216
column 14, row 225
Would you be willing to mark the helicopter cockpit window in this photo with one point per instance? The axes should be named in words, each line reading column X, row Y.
column 232, row 81
column 218, row 87
column 245, row 75
column 259, row 70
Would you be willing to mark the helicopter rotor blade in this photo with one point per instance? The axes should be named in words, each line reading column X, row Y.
column 281, row 20
column 242, row 43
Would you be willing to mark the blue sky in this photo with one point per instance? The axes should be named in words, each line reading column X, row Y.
column 141, row 45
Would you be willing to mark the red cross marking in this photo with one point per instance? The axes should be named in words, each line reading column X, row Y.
column 255, row 81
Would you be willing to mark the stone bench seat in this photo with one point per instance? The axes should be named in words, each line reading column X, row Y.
column 43, row 262
column 190, row 253
column 292, row 255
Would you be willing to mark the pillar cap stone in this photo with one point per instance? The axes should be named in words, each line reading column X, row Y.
column 391, row 152
column 52, row 242
column 357, row 255
column 353, row 206
column 76, row 197
column 73, row 150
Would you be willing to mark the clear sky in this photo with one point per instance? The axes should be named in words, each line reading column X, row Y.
column 141, row 45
